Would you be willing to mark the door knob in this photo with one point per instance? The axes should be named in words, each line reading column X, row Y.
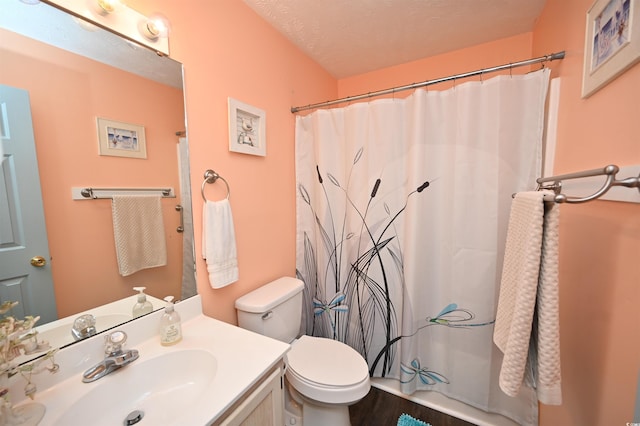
column 38, row 261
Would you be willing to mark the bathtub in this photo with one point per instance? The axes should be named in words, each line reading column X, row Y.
column 439, row 402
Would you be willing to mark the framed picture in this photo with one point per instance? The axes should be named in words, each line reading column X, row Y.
column 247, row 133
column 612, row 42
column 121, row 139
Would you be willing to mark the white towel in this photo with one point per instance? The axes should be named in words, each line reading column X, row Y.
column 139, row 232
column 530, row 275
column 219, row 243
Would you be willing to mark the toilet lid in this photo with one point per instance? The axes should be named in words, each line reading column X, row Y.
column 327, row 362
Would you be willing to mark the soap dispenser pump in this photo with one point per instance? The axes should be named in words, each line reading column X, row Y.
column 142, row 306
column 170, row 326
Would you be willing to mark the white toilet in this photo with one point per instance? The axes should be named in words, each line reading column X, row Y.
column 323, row 376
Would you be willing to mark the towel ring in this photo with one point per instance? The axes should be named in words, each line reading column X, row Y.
column 210, row 177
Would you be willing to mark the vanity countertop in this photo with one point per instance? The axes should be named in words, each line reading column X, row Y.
column 242, row 357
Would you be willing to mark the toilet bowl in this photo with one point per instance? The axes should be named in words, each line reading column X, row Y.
column 323, row 376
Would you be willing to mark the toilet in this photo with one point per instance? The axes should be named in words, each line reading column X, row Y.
column 323, row 376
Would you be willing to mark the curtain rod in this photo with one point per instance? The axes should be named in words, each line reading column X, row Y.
column 546, row 58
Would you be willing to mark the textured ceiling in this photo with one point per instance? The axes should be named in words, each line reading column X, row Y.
column 350, row 37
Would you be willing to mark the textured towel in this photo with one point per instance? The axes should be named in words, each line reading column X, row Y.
column 219, row 243
column 139, row 232
column 407, row 420
column 530, row 286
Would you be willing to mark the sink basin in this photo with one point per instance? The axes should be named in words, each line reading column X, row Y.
column 163, row 389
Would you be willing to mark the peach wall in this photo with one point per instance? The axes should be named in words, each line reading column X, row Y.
column 66, row 96
column 600, row 240
column 228, row 51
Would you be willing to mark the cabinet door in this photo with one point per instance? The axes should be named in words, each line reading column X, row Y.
column 263, row 407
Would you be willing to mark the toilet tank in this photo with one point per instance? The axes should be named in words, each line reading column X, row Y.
column 273, row 310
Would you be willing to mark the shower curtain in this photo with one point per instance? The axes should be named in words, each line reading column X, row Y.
column 402, row 211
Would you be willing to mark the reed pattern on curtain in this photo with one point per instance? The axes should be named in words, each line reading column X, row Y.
column 402, row 212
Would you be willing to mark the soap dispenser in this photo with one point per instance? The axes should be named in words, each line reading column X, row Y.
column 142, row 306
column 170, row 327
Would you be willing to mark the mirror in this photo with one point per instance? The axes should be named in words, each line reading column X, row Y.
column 96, row 75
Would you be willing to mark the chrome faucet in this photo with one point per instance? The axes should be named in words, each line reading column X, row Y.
column 84, row 326
column 115, row 357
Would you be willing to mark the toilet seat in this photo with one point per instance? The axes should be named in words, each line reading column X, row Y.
column 327, row 370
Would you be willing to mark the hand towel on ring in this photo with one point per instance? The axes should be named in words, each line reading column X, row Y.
column 219, row 243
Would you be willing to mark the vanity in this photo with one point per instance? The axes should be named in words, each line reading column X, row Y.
column 219, row 374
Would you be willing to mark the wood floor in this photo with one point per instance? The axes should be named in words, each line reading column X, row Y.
column 380, row 408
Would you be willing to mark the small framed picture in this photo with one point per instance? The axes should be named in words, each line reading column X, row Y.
column 120, row 139
column 612, row 42
column 247, row 133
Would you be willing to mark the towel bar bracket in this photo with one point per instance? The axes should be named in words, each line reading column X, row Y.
column 180, row 228
column 554, row 183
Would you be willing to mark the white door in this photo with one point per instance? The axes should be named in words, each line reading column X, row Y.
column 25, row 270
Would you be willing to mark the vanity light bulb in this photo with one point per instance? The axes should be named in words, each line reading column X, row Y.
column 104, row 7
column 152, row 30
column 156, row 26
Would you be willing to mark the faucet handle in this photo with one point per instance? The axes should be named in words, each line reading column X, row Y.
column 114, row 342
column 84, row 326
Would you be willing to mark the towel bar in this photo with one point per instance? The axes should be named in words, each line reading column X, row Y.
column 554, row 183
column 92, row 193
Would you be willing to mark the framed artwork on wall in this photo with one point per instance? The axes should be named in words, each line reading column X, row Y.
column 120, row 139
column 612, row 42
column 247, row 133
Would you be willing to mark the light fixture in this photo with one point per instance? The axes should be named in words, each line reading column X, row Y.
column 154, row 27
column 30, row 1
column 150, row 31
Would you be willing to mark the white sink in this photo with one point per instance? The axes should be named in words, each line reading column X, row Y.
column 162, row 388
column 191, row 383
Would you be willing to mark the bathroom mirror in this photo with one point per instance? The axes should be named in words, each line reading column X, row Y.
column 96, row 74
